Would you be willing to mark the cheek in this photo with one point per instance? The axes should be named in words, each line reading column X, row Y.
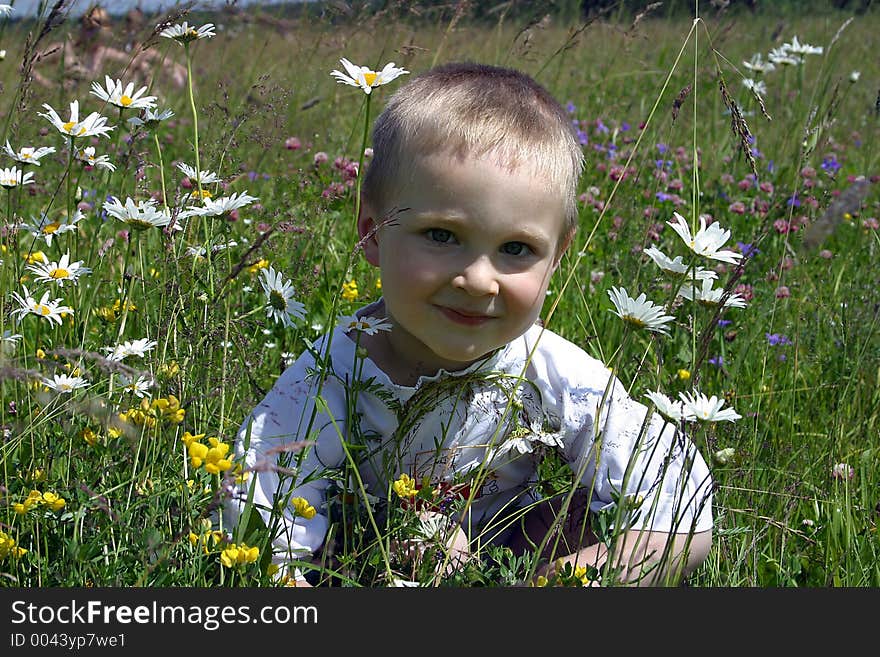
column 526, row 292
column 412, row 273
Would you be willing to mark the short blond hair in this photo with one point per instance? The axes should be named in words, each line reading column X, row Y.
column 475, row 110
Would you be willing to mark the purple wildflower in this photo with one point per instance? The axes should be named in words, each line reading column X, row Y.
column 775, row 339
column 748, row 250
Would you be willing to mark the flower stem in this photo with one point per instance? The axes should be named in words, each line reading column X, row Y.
column 357, row 197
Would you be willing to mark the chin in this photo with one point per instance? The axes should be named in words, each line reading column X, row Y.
column 461, row 358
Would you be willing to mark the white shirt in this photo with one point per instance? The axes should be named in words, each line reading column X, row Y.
column 446, row 427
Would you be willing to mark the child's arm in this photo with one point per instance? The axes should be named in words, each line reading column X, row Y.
column 639, row 557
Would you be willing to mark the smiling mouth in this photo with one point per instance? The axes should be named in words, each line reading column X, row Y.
column 463, row 317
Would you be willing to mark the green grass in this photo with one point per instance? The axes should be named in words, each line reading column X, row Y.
column 132, row 496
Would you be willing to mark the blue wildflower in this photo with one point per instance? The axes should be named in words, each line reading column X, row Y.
column 775, row 339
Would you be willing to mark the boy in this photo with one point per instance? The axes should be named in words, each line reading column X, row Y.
column 467, row 208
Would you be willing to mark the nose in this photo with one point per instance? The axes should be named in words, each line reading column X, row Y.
column 477, row 277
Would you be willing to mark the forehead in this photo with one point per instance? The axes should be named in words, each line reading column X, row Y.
column 479, row 189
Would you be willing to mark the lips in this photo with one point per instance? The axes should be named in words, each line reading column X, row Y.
column 464, row 317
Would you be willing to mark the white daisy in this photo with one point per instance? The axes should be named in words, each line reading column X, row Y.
column 28, row 154
column 217, row 207
column 126, row 98
column 150, row 118
column 758, row 65
column 639, row 312
column 12, row 177
column 137, row 348
column 204, row 177
column 46, row 229
column 676, row 267
column 141, row 215
column 280, row 304
column 673, row 411
column 51, row 311
column 58, row 272
column 5, row 10
column 183, row 33
column 519, row 443
column 366, row 78
column 709, row 296
column 9, row 339
column 62, row 383
column 706, row 241
column 854, row 76
column 200, row 251
column 783, row 57
column 87, row 156
column 139, row 387
column 757, row 86
column 93, row 125
column 368, row 325
column 798, row 48
column 706, row 409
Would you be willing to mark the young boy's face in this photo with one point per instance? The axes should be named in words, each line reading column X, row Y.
column 466, row 262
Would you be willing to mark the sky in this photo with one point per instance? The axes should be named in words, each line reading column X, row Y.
column 29, row 8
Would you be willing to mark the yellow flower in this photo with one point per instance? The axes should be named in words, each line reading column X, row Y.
column 187, row 437
column 302, row 508
column 580, row 572
column 197, row 453
column 405, row 486
column 238, row 555
column 168, row 407
column 169, row 370
column 684, row 375
column 215, row 459
column 35, row 257
column 90, row 436
column 262, row 263
column 240, row 476
column 8, row 547
column 350, row 290
column 378, row 283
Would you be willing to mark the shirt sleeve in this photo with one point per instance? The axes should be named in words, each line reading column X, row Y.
column 287, row 445
column 624, row 457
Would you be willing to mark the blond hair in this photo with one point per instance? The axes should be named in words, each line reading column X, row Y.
column 475, row 110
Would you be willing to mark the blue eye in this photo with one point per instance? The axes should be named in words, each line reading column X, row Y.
column 440, row 235
column 515, row 249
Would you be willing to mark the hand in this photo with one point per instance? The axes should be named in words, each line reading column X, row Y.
column 440, row 532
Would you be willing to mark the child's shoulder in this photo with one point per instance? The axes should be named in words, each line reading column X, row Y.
column 559, row 360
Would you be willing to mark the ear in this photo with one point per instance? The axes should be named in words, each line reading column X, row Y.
column 564, row 243
column 367, row 232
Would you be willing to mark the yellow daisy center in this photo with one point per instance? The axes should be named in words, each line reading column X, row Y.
column 125, row 101
column 26, row 156
column 43, row 309
column 277, row 300
column 58, row 273
column 68, row 126
column 48, row 229
column 370, row 78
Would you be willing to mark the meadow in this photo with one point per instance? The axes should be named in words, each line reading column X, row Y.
column 136, row 336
